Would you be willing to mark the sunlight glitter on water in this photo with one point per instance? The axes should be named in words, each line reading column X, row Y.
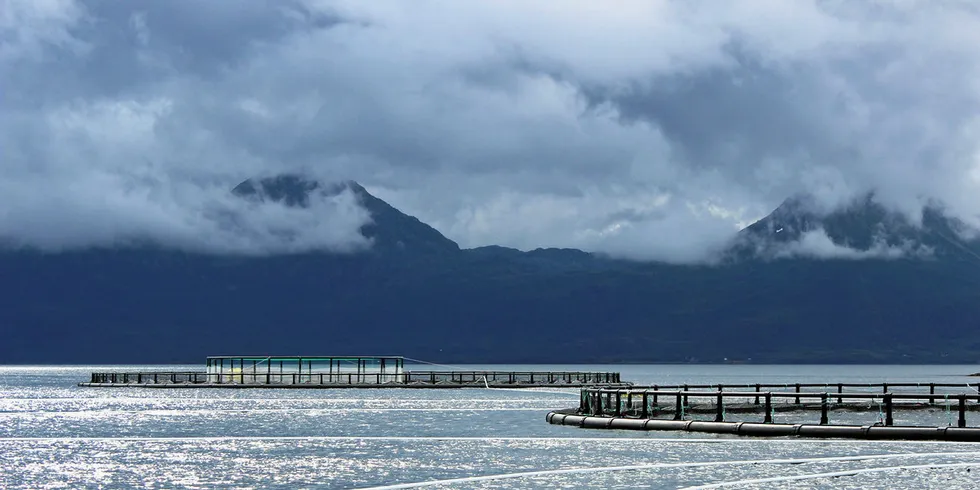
column 55, row 434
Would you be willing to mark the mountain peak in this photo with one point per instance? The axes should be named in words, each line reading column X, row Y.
column 390, row 230
column 291, row 189
column 862, row 226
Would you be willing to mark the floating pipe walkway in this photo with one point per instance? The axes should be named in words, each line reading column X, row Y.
column 952, row 434
column 636, row 408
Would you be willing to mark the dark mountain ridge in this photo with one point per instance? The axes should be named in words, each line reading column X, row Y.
column 417, row 293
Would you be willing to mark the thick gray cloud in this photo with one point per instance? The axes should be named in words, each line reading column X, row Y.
column 652, row 130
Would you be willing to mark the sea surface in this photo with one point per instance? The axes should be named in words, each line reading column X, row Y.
column 54, row 434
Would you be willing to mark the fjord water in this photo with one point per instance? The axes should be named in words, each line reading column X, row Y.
column 54, row 434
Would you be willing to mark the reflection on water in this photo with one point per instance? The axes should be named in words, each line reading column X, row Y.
column 53, row 433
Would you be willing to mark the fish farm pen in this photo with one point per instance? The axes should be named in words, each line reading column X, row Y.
column 737, row 410
column 339, row 372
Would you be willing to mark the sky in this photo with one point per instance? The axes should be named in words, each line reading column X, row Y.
column 650, row 130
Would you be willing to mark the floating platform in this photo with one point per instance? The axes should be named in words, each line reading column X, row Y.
column 639, row 408
column 759, row 429
column 340, row 372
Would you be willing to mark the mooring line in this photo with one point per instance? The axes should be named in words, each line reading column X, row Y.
column 833, row 474
column 675, row 440
column 605, row 469
column 528, row 390
column 198, row 411
column 420, row 361
column 157, row 399
column 486, row 383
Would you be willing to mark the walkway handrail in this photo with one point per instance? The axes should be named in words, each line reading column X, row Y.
column 463, row 378
column 594, row 401
column 780, row 394
column 884, row 386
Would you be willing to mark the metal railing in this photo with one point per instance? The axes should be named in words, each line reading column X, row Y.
column 513, row 377
column 475, row 378
column 644, row 402
column 884, row 387
column 246, row 378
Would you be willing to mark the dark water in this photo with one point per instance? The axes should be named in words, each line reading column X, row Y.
column 54, row 434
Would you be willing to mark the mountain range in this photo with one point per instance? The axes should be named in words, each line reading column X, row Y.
column 859, row 284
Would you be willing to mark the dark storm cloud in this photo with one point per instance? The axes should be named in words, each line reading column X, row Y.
column 653, row 129
column 128, row 47
column 744, row 112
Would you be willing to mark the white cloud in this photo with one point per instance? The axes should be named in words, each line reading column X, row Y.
column 108, row 209
column 498, row 122
column 105, row 177
column 39, row 28
column 817, row 244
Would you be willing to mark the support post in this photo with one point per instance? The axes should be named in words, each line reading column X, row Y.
column 768, row 418
column 840, row 389
column 797, row 390
column 685, row 396
column 678, row 408
column 824, row 418
column 720, row 407
column 644, row 412
column 889, row 420
column 619, row 407
column 758, row 388
column 932, row 392
column 655, row 400
column 962, row 421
